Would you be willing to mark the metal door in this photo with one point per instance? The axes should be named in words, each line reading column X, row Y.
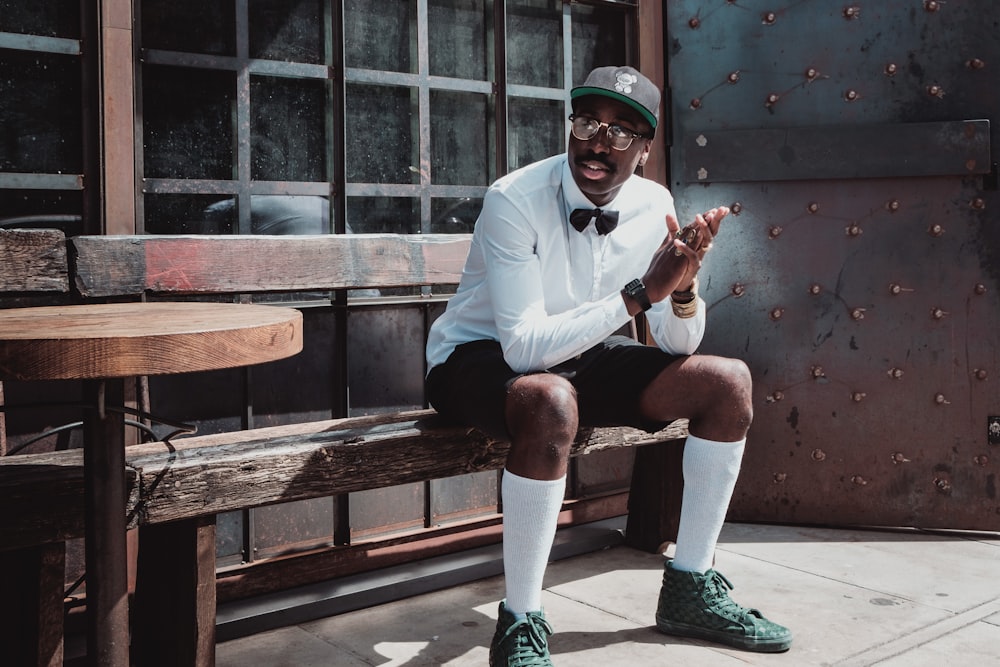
column 858, row 274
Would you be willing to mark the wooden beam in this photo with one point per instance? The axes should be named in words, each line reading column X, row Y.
column 132, row 265
column 33, row 260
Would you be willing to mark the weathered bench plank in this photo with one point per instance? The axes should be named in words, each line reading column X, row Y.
column 33, row 260
column 133, row 265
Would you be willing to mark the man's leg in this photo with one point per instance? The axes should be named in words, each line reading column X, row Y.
column 716, row 394
column 542, row 419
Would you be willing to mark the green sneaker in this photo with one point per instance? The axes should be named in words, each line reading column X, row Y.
column 698, row 605
column 520, row 643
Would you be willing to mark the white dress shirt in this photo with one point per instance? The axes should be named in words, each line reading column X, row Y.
column 544, row 290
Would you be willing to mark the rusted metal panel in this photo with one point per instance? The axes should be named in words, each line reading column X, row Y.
column 866, row 308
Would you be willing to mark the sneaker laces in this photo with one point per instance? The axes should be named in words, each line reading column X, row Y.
column 717, row 589
column 530, row 646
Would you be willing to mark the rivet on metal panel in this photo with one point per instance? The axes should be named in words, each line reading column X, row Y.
column 891, row 69
column 892, row 205
column 970, row 165
column 935, row 230
column 780, row 477
column 696, row 103
column 939, row 399
column 818, row 455
column 852, row 12
column 980, row 374
column 734, row 76
column 775, row 231
column 775, row 396
column 899, row 457
column 857, row 313
column 859, row 480
column 938, row 314
column 851, row 95
column 815, row 289
column 769, row 18
column 738, row 289
column 812, row 73
column 978, row 204
column 895, row 373
column 736, row 208
column 858, row 396
column 813, row 207
column 701, row 140
column 854, row 229
column 702, row 174
column 772, row 99
column 932, row 5
column 942, row 485
column 979, row 289
column 776, row 313
column 982, row 460
column 896, row 288
column 694, row 22
column 817, row 372
column 975, row 63
column 935, row 90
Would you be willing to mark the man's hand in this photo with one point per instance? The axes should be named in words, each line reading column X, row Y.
column 676, row 263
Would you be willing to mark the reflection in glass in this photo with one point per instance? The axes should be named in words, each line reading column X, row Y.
column 382, row 134
column 40, row 100
column 194, row 26
column 48, row 19
column 454, row 215
column 460, row 139
column 287, row 135
column 186, row 214
column 187, row 123
column 381, row 215
column 457, row 38
column 599, row 39
column 381, row 35
column 274, row 214
column 534, row 43
column 537, row 129
column 42, row 209
column 287, row 30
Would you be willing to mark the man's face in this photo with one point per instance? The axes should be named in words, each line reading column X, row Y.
column 598, row 169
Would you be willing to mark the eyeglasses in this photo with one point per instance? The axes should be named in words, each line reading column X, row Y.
column 620, row 138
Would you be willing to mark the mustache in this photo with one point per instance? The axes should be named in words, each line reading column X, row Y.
column 590, row 156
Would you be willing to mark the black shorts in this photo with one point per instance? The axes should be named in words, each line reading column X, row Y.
column 471, row 386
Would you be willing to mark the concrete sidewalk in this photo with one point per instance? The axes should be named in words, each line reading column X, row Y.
column 851, row 597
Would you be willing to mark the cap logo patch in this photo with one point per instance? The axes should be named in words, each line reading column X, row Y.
column 624, row 81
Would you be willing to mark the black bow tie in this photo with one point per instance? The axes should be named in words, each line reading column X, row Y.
column 604, row 221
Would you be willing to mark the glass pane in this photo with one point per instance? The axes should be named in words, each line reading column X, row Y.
column 534, row 43
column 455, row 216
column 290, row 31
column 40, row 102
column 394, row 215
column 195, row 26
column 464, row 497
column 48, row 19
column 42, row 209
column 188, row 214
column 382, row 134
column 457, row 37
column 292, row 526
column 288, row 214
column 229, row 537
column 460, row 139
column 599, row 39
column 187, row 123
column 381, row 35
column 287, row 129
column 538, row 129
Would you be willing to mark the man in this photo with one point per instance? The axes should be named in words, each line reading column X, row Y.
column 525, row 351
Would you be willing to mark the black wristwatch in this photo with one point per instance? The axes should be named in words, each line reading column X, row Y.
column 637, row 291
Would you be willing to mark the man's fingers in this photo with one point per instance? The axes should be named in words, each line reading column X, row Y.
column 672, row 225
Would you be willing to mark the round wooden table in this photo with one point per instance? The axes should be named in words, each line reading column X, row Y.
column 103, row 344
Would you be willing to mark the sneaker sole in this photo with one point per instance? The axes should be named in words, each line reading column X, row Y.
column 777, row 645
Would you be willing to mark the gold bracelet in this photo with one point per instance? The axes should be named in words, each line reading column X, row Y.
column 685, row 310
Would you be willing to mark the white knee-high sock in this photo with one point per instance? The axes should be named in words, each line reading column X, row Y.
column 530, row 515
column 710, row 472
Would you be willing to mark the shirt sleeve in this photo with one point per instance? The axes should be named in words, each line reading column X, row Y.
column 532, row 338
column 673, row 334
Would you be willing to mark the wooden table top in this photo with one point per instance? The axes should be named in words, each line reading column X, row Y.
column 142, row 338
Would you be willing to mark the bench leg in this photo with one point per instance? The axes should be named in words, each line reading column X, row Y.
column 31, row 609
column 174, row 608
column 654, row 503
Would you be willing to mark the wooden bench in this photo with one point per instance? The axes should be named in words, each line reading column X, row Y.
column 177, row 488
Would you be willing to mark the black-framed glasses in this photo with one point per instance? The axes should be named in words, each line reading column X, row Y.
column 620, row 138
